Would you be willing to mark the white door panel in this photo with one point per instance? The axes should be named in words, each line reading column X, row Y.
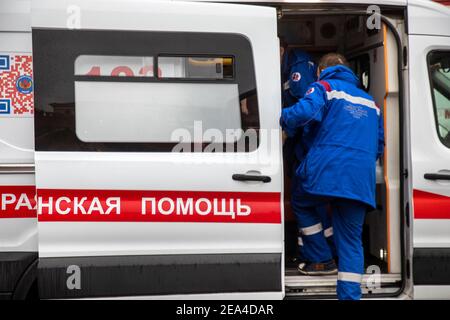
column 438, row 238
column 432, row 292
column 155, row 238
column 18, row 222
column 144, row 170
column 107, row 195
column 429, row 58
column 429, row 154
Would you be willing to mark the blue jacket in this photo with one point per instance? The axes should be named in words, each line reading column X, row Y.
column 349, row 137
column 298, row 72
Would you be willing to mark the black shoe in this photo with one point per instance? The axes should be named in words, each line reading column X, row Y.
column 293, row 262
column 318, row 269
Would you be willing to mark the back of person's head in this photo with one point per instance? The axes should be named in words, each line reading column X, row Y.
column 283, row 46
column 330, row 60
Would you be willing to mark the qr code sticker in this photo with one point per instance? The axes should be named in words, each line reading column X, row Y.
column 16, row 85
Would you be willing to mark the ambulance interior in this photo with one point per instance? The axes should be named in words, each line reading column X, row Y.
column 373, row 55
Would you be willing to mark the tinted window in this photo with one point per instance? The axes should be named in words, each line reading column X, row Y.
column 113, row 66
column 155, row 112
column 143, row 91
column 439, row 71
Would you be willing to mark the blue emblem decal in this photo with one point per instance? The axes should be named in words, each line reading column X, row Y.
column 24, row 84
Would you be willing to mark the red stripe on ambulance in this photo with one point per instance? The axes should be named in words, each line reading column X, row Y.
column 431, row 205
column 158, row 206
column 17, row 202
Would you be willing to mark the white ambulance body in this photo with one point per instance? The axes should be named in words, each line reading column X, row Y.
column 98, row 98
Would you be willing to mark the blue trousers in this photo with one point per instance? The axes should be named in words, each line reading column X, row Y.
column 311, row 210
column 347, row 221
column 315, row 236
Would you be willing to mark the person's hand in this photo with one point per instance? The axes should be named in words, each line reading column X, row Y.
column 244, row 107
column 284, row 136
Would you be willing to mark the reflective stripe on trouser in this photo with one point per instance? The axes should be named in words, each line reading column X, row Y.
column 328, row 232
column 325, row 218
column 315, row 247
column 348, row 219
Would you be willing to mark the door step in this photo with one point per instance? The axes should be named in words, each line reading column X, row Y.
column 299, row 285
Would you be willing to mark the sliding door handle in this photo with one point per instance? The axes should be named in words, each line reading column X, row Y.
column 436, row 176
column 251, row 177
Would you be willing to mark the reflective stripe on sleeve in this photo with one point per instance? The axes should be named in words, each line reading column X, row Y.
column 350, row 276
column 328, row 232
column 356, row 100
column 309, row 231
column 300, row 241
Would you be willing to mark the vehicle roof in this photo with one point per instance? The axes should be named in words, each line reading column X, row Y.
column 15, row 15
column 358, row 2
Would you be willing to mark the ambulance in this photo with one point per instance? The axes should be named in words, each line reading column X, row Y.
column 141, row 153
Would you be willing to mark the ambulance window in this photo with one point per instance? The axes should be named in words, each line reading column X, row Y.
column 196, row 67
column 113, row 66
column 156, row 112
column 134, row 91
column 439, row 71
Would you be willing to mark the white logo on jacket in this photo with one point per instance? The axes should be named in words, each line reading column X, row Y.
column 296, row 76
column 310, row 90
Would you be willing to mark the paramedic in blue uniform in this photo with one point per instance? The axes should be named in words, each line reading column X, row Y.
column 339, row 167
column 298, row 72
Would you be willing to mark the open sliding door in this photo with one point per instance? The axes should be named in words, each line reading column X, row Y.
column 158, row 155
